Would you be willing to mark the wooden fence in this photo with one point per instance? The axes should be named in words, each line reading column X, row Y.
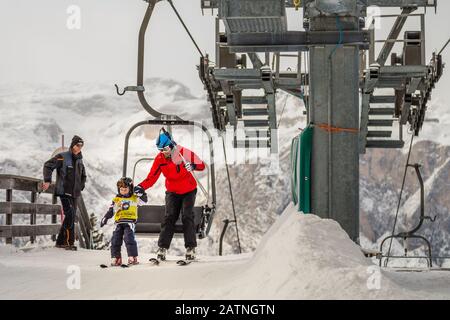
column 9, row 207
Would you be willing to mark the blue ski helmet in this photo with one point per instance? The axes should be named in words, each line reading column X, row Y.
column 164, row 139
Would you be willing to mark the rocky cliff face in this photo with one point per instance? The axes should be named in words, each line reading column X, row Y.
column 381, row 178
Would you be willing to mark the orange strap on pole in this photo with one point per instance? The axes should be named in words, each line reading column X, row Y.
column 332, row 129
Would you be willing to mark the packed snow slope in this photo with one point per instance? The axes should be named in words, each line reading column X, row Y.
column 300, row 257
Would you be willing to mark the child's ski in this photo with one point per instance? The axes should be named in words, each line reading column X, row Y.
column 104, row 266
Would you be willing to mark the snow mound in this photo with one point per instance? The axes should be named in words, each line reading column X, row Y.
column 306, row 257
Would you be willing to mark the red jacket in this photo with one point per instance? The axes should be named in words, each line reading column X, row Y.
column 178, row 179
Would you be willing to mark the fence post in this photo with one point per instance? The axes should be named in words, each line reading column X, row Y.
column 9, row 212
column 33, row 214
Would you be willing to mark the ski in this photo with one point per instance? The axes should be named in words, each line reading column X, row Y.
column 180, row 262
column 104, row 266
column 154, row 261
column 184, row 262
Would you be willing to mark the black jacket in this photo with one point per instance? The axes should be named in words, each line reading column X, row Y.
column 71, row 174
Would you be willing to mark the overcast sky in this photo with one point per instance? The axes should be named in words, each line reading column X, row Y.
column 37, row 46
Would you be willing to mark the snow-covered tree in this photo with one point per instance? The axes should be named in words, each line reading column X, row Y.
column 99, row 242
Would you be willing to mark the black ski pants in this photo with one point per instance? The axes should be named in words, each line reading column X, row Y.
column 66, row 235
column 176, row 203
column 124, row 232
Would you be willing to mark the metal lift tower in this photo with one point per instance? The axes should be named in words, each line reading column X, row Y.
column 338, row 85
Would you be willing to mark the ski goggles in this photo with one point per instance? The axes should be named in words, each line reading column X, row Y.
column 166, row 148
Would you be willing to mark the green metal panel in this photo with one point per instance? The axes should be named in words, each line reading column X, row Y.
column 301, row 150
column 294, row 168
column 305, row 170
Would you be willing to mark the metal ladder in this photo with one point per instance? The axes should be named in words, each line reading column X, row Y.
column 253, row 117
column 379, row 119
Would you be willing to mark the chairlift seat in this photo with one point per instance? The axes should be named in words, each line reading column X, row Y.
column 150, row 218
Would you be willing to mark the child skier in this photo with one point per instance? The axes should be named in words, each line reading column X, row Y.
column 124, row 209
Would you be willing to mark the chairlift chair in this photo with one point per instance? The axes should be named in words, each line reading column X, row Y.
column 150, row 217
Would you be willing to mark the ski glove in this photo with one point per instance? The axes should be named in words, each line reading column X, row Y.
column 139, row 191
column 190, row 166
column 144, row 198
column 103, row 222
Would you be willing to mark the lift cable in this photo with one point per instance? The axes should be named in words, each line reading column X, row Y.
column 445, row 46
column 231, row 194
column 400, row 195
column 185, row 27
column 282, row 111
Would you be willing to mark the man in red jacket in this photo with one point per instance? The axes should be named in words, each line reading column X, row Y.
column 181, row 191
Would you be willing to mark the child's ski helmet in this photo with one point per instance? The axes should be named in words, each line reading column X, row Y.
column 125, row 182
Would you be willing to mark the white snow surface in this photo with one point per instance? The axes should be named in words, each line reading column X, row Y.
column 300, row 257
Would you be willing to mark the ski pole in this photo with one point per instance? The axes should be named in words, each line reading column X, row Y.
column 445, row 46
column 184, row 161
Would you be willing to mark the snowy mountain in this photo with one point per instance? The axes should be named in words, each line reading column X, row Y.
column 33, row 119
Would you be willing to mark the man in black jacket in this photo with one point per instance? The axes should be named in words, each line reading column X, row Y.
column 70, row 181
